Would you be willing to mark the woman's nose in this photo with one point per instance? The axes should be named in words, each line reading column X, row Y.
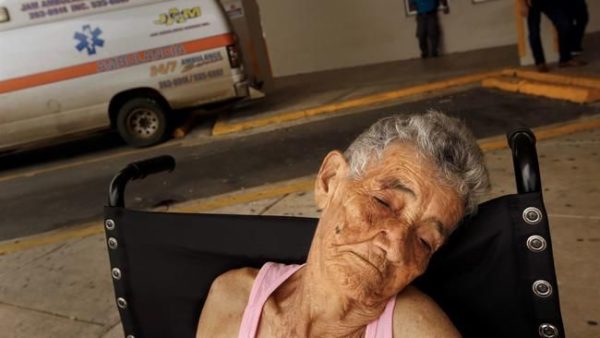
column 394, row 241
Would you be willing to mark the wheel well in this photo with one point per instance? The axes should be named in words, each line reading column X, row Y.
column 118, row 100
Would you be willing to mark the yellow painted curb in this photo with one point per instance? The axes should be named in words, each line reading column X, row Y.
column 507, row 84
column 222, row 127
column 278, row 189
column 561, row 79
column 571, row 93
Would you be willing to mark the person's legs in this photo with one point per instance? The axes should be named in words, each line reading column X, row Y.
column 535, row 41
column 422, row 34
column 433, row 28
column 580, row 17
column 563, row 26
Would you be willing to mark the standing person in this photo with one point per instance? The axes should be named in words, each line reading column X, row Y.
column 579, row 15
column 428, row 26
column 555, row 10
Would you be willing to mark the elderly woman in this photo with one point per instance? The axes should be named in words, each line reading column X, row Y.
column 388, row 204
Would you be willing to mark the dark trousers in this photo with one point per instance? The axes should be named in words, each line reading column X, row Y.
column 579, row 14
column 561, row 21
column 428, row 33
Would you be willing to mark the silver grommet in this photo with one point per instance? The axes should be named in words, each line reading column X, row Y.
column 121, row 302
column 548, row 331
column 112, row 243
column 116, row 273
column 130, row 336
column 109, row 224
column 536, row 243
column 542, row 288
column 532, row 215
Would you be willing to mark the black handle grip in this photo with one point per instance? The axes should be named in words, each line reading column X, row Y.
column 135, row 171
column 525, row 161
column 151, row 166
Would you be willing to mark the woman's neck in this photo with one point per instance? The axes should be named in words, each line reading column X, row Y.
column 307, row 306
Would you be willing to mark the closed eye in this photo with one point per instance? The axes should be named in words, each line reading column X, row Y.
column 382, row 202
column 426, row 244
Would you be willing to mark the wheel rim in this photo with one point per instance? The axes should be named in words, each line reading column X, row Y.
column 143, row 123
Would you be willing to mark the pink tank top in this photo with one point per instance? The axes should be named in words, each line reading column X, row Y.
column 271, row 276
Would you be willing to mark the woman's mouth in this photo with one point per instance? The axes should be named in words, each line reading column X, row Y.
column 365, row 262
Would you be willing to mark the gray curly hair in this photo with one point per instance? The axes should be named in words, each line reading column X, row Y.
column 445, row 140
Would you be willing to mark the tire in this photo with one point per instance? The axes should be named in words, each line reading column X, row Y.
column 142, row 122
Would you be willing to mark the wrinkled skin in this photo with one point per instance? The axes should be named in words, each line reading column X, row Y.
column 378, row 232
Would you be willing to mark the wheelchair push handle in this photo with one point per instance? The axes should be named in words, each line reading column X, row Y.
column 151, row 166
column 525, row 160
column 135, row 171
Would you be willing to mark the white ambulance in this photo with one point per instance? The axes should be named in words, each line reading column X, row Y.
column 72, row 66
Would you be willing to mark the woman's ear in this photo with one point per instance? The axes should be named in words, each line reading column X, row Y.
column 333, row 169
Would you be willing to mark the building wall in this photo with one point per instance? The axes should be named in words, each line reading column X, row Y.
column 312, row 35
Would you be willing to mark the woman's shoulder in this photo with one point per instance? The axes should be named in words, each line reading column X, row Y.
column 232, row 281
column 417, row 315
column 226, row 302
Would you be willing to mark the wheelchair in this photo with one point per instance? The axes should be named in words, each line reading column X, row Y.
column 494, row 278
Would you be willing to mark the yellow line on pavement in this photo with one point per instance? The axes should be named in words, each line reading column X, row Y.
column 222, row 127
column 53, row 237
column 271, row 191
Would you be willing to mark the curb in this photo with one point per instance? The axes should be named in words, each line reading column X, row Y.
column 572, row 93
column 561, row 79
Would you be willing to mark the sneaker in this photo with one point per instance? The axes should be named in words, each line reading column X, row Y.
column 572, row 63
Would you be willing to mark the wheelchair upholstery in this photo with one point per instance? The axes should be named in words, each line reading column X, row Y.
column 494, row 278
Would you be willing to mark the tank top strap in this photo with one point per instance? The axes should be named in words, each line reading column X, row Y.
column 269, row 278
column 383, row 327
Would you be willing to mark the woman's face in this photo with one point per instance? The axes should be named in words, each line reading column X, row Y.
column 378, row 232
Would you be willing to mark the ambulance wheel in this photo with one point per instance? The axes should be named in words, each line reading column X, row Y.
column 142, row 122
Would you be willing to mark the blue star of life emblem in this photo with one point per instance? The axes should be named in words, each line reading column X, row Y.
column 89, row 39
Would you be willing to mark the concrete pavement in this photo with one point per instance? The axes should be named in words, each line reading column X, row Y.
column 62, row 287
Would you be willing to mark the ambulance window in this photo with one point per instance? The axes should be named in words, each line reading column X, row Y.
column 4, row 17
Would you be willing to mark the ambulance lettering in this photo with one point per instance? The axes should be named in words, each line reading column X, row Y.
column 175, row 15
column 200, row 60
column 163, row 68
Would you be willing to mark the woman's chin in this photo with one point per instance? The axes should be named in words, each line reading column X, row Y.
column 359, row 284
